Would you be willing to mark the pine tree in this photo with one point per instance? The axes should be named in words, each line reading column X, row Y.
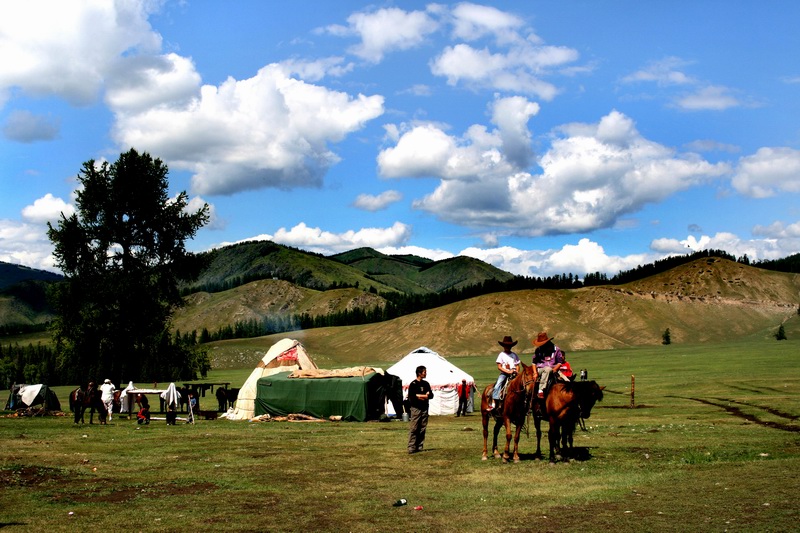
column 122, row 253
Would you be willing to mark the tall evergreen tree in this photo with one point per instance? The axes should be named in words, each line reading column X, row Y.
column 123, row 253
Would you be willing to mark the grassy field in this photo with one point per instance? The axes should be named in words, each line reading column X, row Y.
column 712, row 443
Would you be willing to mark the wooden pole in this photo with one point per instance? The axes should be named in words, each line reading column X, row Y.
column 633, row 391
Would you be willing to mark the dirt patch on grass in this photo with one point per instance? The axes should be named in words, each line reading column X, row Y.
column 125, row 494
column 26, row 476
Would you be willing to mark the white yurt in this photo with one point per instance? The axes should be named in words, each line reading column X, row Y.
column 443, row 376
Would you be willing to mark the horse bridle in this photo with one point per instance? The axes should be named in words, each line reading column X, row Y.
column 528, row 392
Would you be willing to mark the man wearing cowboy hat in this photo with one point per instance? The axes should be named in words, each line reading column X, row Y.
column 507, row 363
column 547, row 359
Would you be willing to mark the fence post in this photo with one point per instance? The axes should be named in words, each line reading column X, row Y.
column 633, row 391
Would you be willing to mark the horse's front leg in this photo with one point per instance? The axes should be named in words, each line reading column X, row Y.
column 516, row 442
column 485, row 419
column 537, row 422
column 553, row 435
column 495, row 449
column 507, row 449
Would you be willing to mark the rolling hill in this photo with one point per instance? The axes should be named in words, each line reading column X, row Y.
column 416, row 275
column 23, row 295
column 707, row 300
column 11, row 274
column 266, row 298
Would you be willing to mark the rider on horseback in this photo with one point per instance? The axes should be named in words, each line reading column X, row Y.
column 548, row 359
column 507, row 363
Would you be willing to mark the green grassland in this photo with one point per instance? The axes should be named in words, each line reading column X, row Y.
column 711, row 443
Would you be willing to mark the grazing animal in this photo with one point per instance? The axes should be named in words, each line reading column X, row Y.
column 565, row 405
column 516, row 404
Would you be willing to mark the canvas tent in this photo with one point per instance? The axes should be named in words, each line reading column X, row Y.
column 354, row 394
column 285, row 355
column 443, row 376
column 24, row 396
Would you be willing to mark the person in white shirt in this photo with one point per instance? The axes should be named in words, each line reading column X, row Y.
column 507, row 363
column 107, row 390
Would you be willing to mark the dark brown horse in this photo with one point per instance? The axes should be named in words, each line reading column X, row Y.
column 90, row 398
column 516, row 404
column 565, row 404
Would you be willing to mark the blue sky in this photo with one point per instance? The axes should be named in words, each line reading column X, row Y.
column 542, row 137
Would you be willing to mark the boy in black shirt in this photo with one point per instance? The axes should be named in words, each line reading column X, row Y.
column 419, row 392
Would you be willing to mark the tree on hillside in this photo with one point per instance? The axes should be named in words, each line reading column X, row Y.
column 666, row 338
column 781, row 334
column 123, row 255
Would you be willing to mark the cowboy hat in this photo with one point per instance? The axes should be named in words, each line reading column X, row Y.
column 507, row 342
column 541, row 339
column 107, row 381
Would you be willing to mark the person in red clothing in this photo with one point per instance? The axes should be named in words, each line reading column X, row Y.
column 463, row 397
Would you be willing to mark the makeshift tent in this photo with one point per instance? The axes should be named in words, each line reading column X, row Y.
column 353, row 394
column 285, row 355
column 24, row 396
column 443, row 376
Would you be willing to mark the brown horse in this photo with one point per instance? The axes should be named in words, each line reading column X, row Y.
column 565, row 404
column 516, row 404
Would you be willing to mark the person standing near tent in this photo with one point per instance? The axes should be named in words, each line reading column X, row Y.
column 507, row 363
column 463, row 397
column 107, row 390
column 419, row 393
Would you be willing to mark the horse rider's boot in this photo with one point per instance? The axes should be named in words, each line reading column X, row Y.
column 498, row 406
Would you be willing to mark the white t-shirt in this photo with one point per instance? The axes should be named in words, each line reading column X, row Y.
column 509, row 361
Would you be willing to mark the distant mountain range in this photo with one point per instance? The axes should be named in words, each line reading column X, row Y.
column 362, row 268
column 11, row 274
column 700, row 299
column 704, row 301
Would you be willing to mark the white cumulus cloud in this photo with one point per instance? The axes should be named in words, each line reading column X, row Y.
column 68, row 49
column 25, row 243
column 48, row 208
column 591, row 175
column 585, row 257
column 270, row 130
column 384, row 30
column 325, row 242
column 768, row 172
column 371, row 202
